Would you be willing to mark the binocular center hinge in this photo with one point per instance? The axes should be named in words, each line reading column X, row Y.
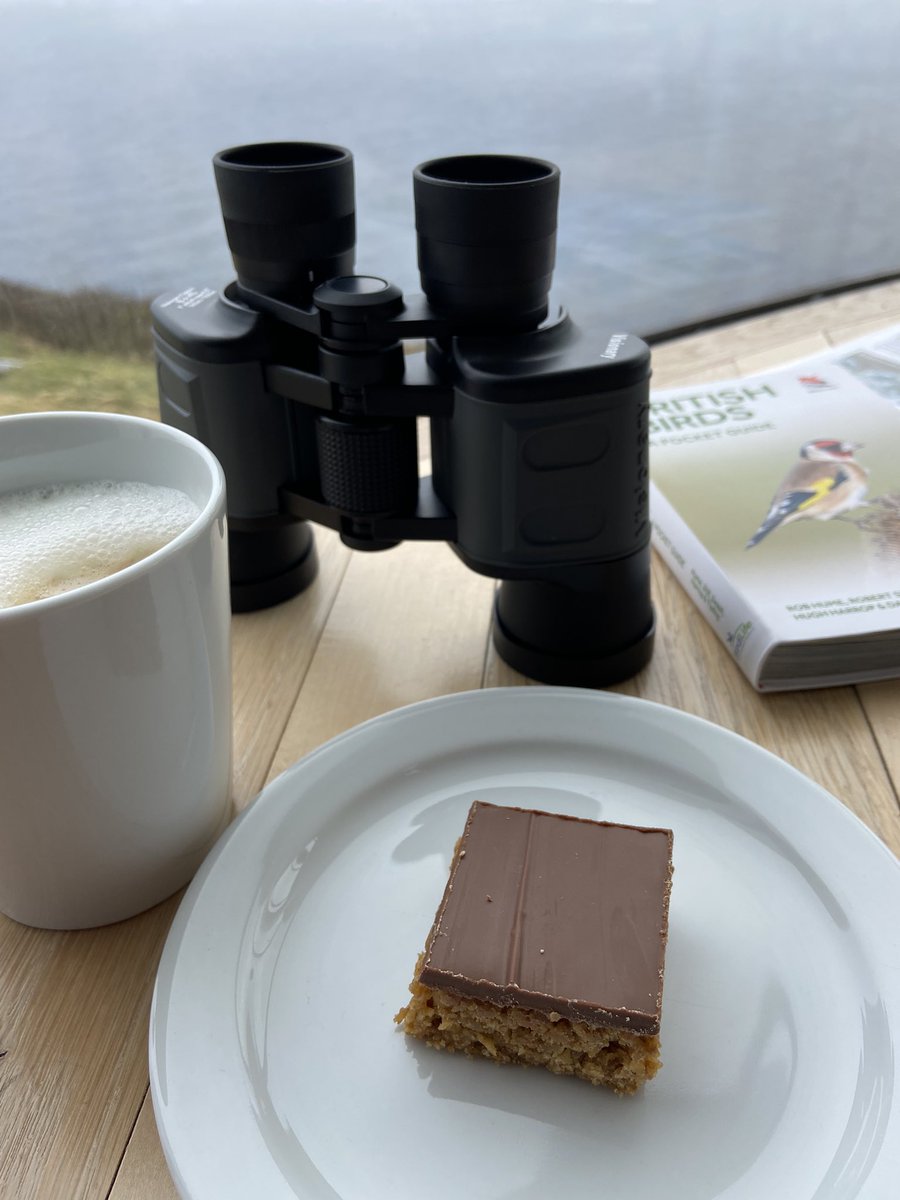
column 361, row 368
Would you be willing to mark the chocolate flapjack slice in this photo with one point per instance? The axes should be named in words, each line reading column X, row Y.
column 548, row 946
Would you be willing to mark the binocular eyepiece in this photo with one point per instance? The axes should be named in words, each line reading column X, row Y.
column 290, row 215
column 296, row 378
column 486, row 227
column 486, row 233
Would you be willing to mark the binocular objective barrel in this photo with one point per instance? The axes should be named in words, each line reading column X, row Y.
column 545, row 464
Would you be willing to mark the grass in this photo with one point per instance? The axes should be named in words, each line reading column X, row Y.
column 88, row 350
column 51, row 379
column 86, row 319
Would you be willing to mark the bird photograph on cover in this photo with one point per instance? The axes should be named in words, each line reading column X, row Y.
column 825, row 483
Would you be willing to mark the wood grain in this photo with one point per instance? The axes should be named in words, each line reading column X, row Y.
column 408, row 624
column 75, row 1036
column 271, row 653
column 144, row 1174
column 373, row 633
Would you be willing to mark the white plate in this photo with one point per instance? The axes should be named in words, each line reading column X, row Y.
column 276, row 1069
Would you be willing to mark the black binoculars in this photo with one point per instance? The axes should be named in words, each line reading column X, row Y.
column 295, row 376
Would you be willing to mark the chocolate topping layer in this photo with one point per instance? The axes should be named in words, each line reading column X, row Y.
column 555, row 913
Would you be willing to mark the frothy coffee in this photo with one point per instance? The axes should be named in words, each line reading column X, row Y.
column 54, row 539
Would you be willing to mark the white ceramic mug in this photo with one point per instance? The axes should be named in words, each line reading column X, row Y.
column 115, row 697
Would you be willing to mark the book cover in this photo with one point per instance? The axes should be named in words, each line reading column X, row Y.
column 776, row 500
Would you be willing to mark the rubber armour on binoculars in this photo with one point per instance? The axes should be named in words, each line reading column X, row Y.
column 295, row 376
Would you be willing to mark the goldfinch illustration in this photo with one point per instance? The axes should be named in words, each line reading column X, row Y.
column 825, row 483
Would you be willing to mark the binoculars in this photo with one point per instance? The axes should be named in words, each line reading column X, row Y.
column 296, row 377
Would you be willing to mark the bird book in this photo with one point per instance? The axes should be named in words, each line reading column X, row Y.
column 775, row 500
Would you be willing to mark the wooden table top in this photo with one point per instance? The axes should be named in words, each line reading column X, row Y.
column 373, row 633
